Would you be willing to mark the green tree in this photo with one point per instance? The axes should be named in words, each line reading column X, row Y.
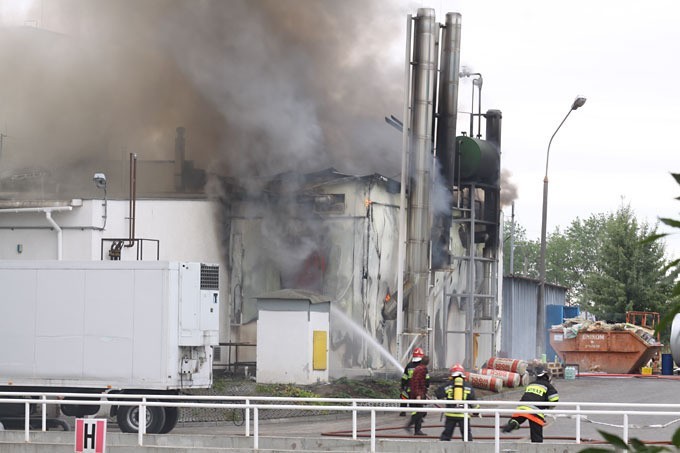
column 673, row 266
column 526, row 252
column 628, row 273
column 602, row 262
column 585, row 239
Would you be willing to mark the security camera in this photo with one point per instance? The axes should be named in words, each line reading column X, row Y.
column 99, row 180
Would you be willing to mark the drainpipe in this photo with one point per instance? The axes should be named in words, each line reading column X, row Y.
column 48, row 216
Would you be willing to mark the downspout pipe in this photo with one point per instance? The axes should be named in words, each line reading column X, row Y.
column 60, row 233
column 48, row 216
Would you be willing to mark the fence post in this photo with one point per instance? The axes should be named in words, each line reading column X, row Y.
column 44, row 413
column 466, row 422
column 141, row 429
column 247, row 417
column 578, row 424
column 372, row 430
column 256, row 429
column 497, row 431
column 625, row 428
column 27, row 424
column 354, row 420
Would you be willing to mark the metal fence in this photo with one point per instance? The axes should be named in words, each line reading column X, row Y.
column 253, row 405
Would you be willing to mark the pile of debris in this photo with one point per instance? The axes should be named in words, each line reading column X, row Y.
column 572, row 326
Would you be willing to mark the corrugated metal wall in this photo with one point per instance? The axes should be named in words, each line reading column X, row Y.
column 518, row 329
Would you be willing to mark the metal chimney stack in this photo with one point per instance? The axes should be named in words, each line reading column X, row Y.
column 447, row 113
column 426, row 32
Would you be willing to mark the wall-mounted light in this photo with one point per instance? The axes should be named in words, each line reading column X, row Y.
column 99, row 180
column 20, row 248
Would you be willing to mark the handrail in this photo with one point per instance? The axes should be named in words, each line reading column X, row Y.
column 354, row 405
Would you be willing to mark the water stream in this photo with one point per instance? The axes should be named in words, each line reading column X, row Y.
column 357, row 329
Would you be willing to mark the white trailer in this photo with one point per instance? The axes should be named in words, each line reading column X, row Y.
column 95, row 327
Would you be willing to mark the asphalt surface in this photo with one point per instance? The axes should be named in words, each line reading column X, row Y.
column 560, row 429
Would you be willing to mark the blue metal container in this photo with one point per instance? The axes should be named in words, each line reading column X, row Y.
column 667, row 364
column 554, row 315
column 572, row 312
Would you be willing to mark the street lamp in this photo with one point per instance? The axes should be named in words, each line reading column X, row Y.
column 540, row 305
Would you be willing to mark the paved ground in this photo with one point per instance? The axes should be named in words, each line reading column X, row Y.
column 621, row 390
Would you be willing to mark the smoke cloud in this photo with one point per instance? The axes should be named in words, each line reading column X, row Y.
column 262, row 86
column 508, row 188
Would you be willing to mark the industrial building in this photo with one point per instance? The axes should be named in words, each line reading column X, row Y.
column 401, row 262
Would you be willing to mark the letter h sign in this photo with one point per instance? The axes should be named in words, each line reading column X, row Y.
column 90, row 435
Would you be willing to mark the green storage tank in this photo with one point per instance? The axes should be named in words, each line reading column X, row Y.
column 478, row 161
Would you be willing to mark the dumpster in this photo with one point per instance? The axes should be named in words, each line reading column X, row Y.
column 609, row 351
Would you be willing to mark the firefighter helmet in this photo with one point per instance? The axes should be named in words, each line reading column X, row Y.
column 418, row 354
column 542, row 372
column 457, row 370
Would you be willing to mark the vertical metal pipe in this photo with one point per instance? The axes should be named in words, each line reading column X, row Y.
column 424, row 60
column 27, row 422
column 497, row 431
column 470, row 306
column 479, row 106
column 133, row 198
column 43, row 415
column 60, row 233
column 472, row 112
column 578, row 424
column 256, row 428
column 466, row 422
column 373, row 430
column 142, row 422
column 247, row 416
column 512, row 240
column 405, row 157
column 447, row 106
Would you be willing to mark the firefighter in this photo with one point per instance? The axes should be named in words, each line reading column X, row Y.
column 458, row 389
column 540, row 391
column 418, row 354
column 418, row 391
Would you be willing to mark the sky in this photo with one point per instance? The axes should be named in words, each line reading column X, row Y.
column 619, row 148
column 535, row 58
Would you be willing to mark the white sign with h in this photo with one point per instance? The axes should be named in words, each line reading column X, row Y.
column 90, row 435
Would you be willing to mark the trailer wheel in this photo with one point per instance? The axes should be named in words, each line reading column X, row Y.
column 128, row 419
column 171, row 418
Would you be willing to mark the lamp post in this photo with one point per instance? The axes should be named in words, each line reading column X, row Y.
column 540, row 303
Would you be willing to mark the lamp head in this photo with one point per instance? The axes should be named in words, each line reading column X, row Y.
column 578, row 102
column 99, row 180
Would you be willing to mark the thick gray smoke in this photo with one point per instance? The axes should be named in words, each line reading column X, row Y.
column 508, row 188
column 262, row 86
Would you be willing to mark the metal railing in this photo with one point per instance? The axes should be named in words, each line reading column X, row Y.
column 254, row 404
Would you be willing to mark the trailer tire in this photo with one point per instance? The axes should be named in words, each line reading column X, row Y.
column 128, row 419
column 171, row 418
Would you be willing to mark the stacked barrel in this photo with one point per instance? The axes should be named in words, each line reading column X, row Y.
column 500, row 372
